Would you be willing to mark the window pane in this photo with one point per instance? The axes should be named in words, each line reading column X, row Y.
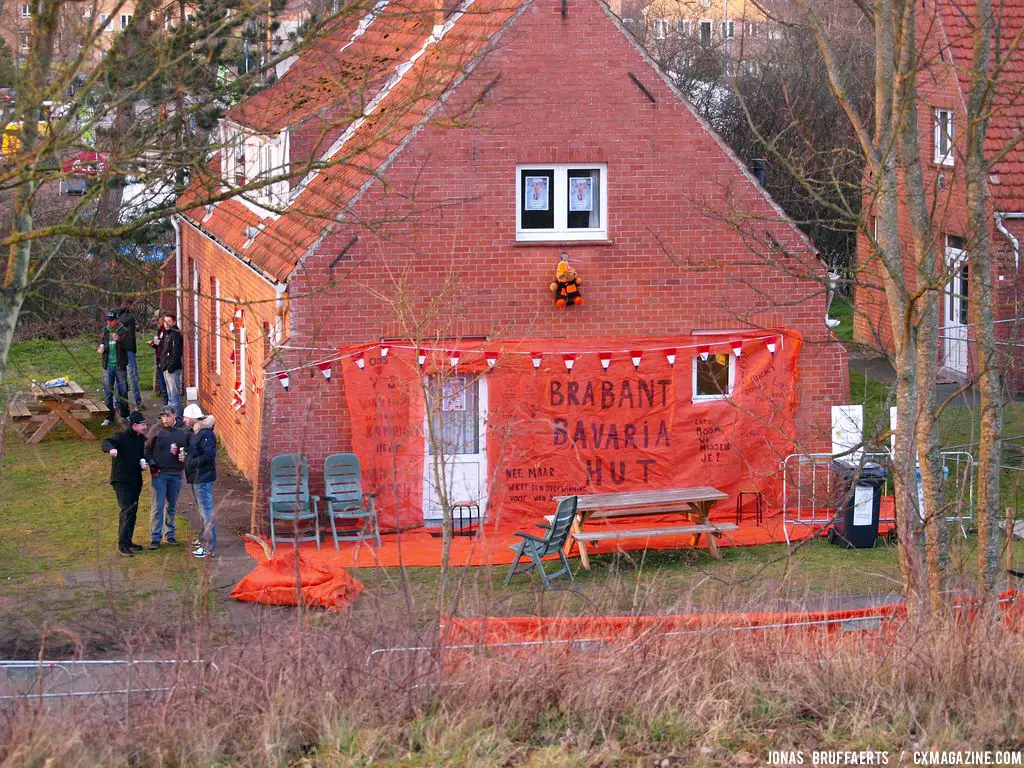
column 713, row 375
column 583, row 209
column 455, row 415
column 535, row 204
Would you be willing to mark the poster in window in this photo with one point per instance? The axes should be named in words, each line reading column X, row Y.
column 537, row 193
column 454, row 394
column 581, row 193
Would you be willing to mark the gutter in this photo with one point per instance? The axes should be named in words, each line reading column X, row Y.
column 1000, row 218
column 176, row 223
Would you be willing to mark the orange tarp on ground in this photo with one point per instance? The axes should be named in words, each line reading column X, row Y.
column 551, row 431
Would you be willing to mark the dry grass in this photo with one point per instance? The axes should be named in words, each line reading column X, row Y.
column 303, row 694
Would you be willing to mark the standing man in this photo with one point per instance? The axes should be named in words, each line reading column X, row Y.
column 114, row 357
column 156, row 342
column 127, row 460
column 127, row 320
column 201, row 472
column 171, row 350
column 164, row 443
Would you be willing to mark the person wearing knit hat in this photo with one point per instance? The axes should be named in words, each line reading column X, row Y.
column 126, row 449
column 201, row 473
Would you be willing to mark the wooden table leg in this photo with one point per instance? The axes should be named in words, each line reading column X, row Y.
column 61, row 409
column 704, row 509
column 51, row 420
column 570, row 540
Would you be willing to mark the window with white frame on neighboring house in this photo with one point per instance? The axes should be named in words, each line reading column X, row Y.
column 26, row 12
column 713, row 378
column 562, row 202
column 104, row 24
column 126, row 19
column 683, row 27
column 753, row 29
column 728, row 29
column 23, row 40
column 660, row 28
column 705, row 33
column 944, row 136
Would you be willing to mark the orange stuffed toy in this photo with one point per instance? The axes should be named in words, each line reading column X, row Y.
column 566, row 286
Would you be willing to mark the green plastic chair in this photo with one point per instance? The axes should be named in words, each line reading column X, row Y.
column 346, row 502
column 290, row 500
column 535, row 548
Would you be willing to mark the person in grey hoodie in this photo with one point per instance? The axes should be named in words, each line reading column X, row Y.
column 201, row 472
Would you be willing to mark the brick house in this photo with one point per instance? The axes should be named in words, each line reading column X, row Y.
column 947, row 52
column 471, row 126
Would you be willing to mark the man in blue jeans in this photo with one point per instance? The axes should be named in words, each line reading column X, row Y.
column 171, row 351
column 127, row 320
column 164, row 444
column 201, row 471
column 114, row 358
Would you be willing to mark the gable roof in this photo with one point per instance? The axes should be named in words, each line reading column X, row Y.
column 401, row 105
column 1006, row 121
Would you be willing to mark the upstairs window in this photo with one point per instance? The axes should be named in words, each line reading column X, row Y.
column 26, row 12
column 728, row 29
column 126, row 19
column 683, row 27
column 944, row 137
column 660, row 29
column 561, row 202
column 753, row 29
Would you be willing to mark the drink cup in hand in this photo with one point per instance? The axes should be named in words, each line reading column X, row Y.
column 181, row 455
column 174, row 449
column 99, row 350
column 142, row 463
column 113, row 452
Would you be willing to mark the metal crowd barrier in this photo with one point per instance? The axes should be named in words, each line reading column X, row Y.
column 809, row 498
column 35, row 680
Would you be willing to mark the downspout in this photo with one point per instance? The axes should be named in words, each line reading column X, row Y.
column 280, row 289
column 1014, row 243
column 176, row 223
column 833, row 282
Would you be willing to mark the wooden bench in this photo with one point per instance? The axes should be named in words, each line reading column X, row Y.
column 92, row 406
column 647, row 533
column 18, row 411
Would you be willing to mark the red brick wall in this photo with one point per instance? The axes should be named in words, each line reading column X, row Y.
column 674, row 261
column 240, row 432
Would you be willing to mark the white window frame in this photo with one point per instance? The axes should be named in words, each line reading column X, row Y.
column 26, row 11
column 240, row 351
column 708, row 398
column 104, row 22
column 126, row 19
column 561, row 231
column 683, row 27
column 752, row 29
column 728, row 29
column 944, row 128
column 660, row 28
column 217, row 330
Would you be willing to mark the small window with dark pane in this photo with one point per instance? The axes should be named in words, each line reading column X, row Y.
column 713, row 378
column 536, row 206
column 583, row 206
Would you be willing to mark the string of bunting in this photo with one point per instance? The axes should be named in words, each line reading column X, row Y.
column 569, row 359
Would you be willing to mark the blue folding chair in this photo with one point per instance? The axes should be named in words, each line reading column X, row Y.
column 535, row 548
column 290, row 500
column 347, row 505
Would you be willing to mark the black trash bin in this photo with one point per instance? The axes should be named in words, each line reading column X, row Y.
column 856, row 521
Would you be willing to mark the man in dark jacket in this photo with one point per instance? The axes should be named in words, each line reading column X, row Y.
column 201, row 472
column 156, row 343
column 171, row 349
column 126, row 449
column 127, row 320
column 114, row 357
column 163, row 446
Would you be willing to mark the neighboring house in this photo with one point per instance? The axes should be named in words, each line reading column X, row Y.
column 738, row 29
column 460, row 134
column 947, row 52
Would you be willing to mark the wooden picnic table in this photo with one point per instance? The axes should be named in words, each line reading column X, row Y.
column 57, row 403
column 694, row 504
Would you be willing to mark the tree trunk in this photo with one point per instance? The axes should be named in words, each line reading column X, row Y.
column 982, row 264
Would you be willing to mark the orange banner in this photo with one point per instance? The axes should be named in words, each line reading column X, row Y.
column 640, row 424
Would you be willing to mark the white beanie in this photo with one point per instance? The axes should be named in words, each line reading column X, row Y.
column 193, row 411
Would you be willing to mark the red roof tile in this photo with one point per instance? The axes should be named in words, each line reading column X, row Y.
column 1007, row 119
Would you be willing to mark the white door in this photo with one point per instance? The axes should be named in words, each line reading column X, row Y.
column 955, row 323
column 458, row 452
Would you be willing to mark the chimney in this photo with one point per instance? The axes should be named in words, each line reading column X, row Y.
column 759, row 167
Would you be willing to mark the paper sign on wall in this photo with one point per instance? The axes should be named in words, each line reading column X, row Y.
column 581, row 193
column 848, row 432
